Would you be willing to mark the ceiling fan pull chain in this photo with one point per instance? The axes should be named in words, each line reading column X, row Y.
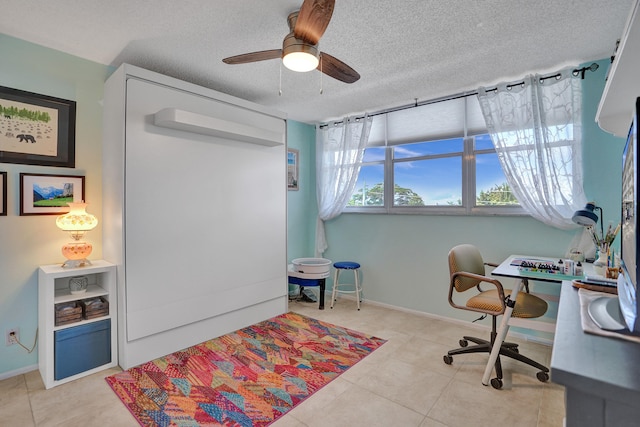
column 321, row 90
column 280, row 85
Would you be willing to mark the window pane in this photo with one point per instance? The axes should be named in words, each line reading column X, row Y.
column 491, row 184
column 432, row 182
column 369, row 189
column 373, row 154
column 483, row 142
column 430, row 148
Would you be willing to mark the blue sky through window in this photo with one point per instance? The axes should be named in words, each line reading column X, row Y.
column 438, row 180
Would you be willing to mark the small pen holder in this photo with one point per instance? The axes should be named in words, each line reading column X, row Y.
column 612, row 272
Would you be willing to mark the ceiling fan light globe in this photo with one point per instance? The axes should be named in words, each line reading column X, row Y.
column 300, row 61
column 298, row 55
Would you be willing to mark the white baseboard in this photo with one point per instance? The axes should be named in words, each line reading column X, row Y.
column 16, row 372
column 466, row 323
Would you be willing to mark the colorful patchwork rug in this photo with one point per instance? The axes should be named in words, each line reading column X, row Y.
column 250, row 377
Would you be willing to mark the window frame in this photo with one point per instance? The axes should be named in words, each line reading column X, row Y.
column 468, row 181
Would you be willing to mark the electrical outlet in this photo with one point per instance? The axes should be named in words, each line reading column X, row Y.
column 11, row 336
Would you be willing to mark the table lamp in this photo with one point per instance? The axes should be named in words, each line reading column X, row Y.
column 587, row 217
column 77, row 222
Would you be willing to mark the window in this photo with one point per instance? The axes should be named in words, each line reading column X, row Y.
column 429, row 173
column 425, row 160
column 491, row 185
column 369, row 190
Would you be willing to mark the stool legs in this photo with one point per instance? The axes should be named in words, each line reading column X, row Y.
column 336, row 275
column 336, row 285
column 355, row 272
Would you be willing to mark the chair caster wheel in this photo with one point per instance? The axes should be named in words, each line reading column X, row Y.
column 463, row 343
column 447, row 359
column 542, row 376
column 496, row 383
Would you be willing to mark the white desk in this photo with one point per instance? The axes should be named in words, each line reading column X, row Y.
column 509, row 269
column 601, row 375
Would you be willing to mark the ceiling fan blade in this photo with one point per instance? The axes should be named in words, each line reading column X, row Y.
column 313, row 19
column 337, row 69
column 262, row 55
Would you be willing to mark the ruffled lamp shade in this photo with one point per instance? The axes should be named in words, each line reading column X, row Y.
column 77, row 222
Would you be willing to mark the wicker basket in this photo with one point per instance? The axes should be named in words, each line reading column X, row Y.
column 95, row 307
column 68, row 312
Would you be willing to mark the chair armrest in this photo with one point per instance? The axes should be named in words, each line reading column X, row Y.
column 482, row 279
column 479, row 277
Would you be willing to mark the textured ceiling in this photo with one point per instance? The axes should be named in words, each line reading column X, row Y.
column 403, row 50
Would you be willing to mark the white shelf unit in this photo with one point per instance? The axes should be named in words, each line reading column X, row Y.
column 53, row 288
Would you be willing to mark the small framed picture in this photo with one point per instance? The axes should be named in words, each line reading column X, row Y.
column 36, row 129
column 3, row 193
column 42, row 194
column 292, row 169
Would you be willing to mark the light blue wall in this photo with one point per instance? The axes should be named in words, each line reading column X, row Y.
column 302, row 208
column 30, row 241
column 404, row 257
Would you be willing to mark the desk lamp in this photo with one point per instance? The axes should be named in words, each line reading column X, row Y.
column 77, row 222
column 588, row 218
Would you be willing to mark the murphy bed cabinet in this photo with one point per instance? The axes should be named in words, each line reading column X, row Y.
column 194, row 212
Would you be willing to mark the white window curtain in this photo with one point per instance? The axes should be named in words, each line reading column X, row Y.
column 536, row 128
column 339, row 152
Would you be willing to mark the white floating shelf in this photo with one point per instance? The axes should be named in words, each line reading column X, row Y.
column 197, row 123
column 617, row 105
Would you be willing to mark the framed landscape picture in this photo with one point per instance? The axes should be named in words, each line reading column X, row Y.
column 3, row 193
column 42, row 194
column 292, row 169
column 36, row 129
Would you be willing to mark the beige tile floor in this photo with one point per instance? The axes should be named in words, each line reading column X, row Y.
column 403, row 383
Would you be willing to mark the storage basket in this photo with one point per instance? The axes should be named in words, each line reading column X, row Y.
column 68, row 312
column 95, row 307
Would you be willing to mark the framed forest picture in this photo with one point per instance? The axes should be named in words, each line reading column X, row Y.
column 36, row 129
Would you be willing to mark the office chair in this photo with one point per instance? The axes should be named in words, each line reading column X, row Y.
column 467, row 272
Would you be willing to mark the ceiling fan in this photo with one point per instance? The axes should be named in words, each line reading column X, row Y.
column 300, row 47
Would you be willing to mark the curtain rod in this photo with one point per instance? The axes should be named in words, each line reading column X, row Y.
column 576, row 72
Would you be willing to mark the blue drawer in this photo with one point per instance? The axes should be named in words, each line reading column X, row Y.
column 81, row 348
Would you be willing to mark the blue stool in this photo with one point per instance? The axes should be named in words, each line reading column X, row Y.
column 357, row 288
